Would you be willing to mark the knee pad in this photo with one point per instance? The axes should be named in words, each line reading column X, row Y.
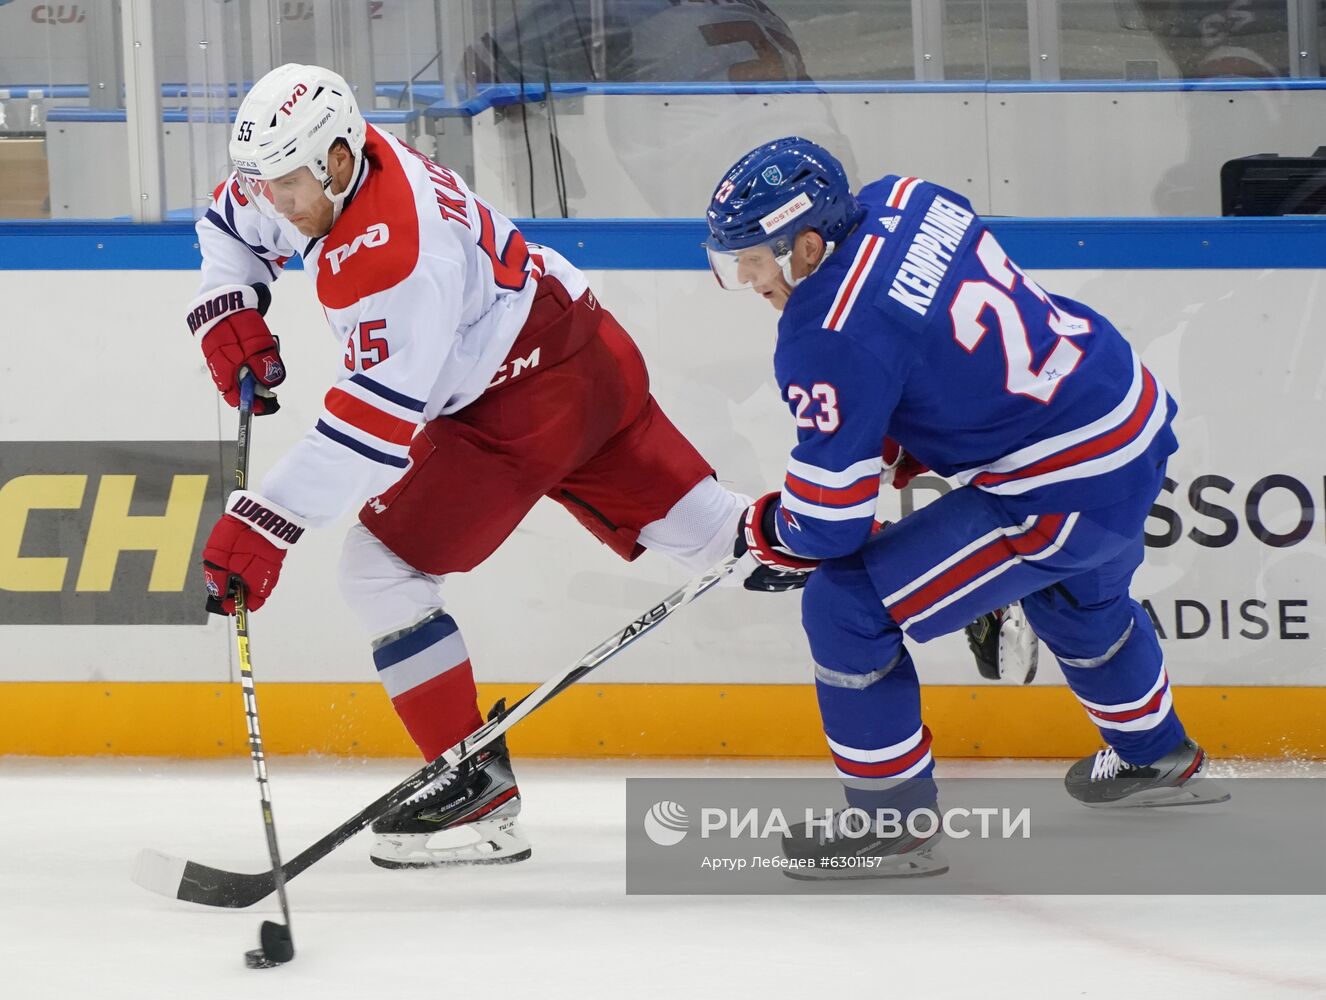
column 385, row 593
column 1085, row 635
column 853, row 640
column 701, row 527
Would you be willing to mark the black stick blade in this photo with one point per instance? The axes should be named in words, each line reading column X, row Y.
column 175, row 878
column 276, row 941
column 278, row 947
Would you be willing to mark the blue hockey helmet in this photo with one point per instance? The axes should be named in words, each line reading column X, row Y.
column 774, row 192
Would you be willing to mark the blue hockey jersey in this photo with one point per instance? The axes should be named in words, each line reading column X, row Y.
column 921, row 329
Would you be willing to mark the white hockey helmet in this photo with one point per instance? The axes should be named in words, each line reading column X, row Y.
column 289, row 120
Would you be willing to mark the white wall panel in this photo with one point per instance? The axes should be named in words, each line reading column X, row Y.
column 1136, row 153
column 103, row 356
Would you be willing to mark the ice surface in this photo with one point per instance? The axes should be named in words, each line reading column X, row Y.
column 72, row 925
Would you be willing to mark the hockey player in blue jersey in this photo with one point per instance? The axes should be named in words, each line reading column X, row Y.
column 904, row 321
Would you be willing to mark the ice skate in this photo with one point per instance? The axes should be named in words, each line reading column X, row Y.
column 1004, row 645
column 845, row 849
column 467, row 817
column 1104, row 780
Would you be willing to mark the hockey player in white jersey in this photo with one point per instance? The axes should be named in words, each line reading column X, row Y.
column 480, row 374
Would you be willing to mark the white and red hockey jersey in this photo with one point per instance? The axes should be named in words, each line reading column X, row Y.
column 424, row 285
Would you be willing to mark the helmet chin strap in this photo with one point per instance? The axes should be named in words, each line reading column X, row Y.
column 338, row 200
column 786, row 265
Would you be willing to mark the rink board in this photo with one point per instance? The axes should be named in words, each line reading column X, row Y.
column 113, row 464
column 619, row 720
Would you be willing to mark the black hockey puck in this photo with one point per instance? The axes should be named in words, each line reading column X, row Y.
column 277, row 947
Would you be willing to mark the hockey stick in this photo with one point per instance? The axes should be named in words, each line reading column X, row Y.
column 276, row 941
column 175, row 877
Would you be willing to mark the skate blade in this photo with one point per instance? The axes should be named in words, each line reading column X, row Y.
column 449, row 862
column 1203, row 791
column 501, row 844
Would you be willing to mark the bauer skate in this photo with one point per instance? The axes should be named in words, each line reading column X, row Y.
column 849, row 848
column 1104, row 780
column 1005, row 647
column 466, row 817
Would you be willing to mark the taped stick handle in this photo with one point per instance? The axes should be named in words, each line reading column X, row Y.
column 248, row 385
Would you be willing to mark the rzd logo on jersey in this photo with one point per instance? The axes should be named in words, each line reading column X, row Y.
column 376, row 236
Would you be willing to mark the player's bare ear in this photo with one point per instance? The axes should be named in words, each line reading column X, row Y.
column 808, row 250
column 340, row 162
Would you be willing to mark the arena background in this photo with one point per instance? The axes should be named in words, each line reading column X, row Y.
column 113, row 444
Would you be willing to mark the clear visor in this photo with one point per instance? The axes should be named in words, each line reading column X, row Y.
column 737, row 269
column 281, row 197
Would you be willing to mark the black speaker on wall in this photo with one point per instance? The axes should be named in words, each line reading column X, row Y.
column 1270, row 184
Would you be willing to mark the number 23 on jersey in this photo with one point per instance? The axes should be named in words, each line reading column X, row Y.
column 978, row 302
column 823, row 398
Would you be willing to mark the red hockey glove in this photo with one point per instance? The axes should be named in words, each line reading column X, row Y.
column 766, row 565
column 902, row 465
column 234, row 335
column 247, row 545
